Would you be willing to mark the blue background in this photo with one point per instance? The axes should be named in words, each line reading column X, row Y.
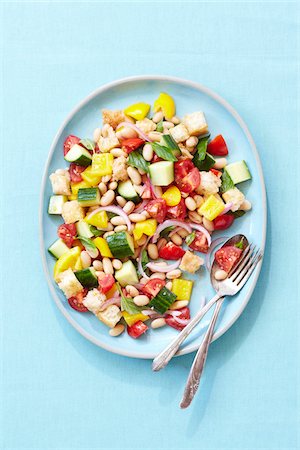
column 61, row 392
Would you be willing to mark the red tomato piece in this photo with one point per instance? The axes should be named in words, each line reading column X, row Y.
column 152, row 287
column 216, row 172
column 178, row 211
column 156, row 158
column 129, row 145
column 76, row 301
column 69, row 142
column 187, row 176
column 223, row 222
column 157, row 209
column 75, row 171
column 137, row 329
column 217, row 146
column 171, row 251
column 106, row 283
column 185, row 315
column 200, row 243
column 67, row 233
column 227, row 257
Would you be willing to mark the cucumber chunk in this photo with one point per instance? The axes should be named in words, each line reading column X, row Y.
column 87, row 277
column 163, row 300
column 238, row 171
column 127, row 274
column 79, row 155
column 162, row 173
column 58, row 248
column 88, row 197
column 120, row 244
column 83, row 229
column 56, row 203
column 127, row 191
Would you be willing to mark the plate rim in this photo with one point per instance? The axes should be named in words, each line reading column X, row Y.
column 105, row 87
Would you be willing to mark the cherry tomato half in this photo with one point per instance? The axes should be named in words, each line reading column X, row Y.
column 187, row 176
column 106, row 283
column 171, row 251
column 227, row 257
column 200, row 243
column 67, row 233
column 178, row 211
column 152, row 287
column 75, row 171
column 76, row 301
column 157, row 209
column 129, row 145
column 69, row 142
column 223, row 222
column 137, row 329
column 171, row 321
column 217, row 146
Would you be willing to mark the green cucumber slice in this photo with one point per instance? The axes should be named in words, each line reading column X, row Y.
column 127, row 274
column 127, row 191
column 87, row 277
column 162, row 173
column 83, row 229
column 238, row 172
column 58, row 248
column 163, row 300
column 88, row 197
column 120, row 244
column 56, row 203
column 79, row 155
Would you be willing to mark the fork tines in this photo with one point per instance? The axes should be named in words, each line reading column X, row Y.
column 249, row 260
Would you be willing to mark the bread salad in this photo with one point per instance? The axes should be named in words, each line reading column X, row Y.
column 140, row 203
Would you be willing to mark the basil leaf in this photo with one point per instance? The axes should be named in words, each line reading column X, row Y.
column 240, row 244
column 190, row 238
column 159, row 127
column 88, row 144
column 88, row 244
column 137, row 160
column 227, row 182
column 145, row 261
column 168, row 141
column 95, row 231
column 166, row 231
column 110, row 215
column 237, row 214
column 202, row 148
column 127, row 304
column 163, row 152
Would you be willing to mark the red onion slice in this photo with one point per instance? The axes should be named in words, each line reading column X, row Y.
column 134, row 127
column 203, row 230
column 183, row 322
column 170, row 223
column 160, row 268
column 140, row 207
column 214, row 244
column 115, row 210
column 173, row 313
column 140, row 267
column 227, row 208
column 112, row 301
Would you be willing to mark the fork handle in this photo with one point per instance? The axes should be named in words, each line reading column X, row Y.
column 162, row 359
column 193, row 380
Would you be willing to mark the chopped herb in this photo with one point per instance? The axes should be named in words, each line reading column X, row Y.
column 166, row 231
column 95, row 231
column 227, row 182
column 88, row 144
column 237, row 214
column 240, row 244
column 127, row 304
column 110, row 215
column 88, row 244
column 190, row 238
column 163, row 152
column 137, row 160
column 159, row 127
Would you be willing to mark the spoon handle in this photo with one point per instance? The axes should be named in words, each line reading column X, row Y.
column 162, row 359
column 193, row 380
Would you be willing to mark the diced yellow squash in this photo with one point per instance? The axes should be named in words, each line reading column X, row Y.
column 99, row 219
column 182, row 288
column 67, row 261
column 78, row 264
column 103, row 247
column 131, row 319
column 102, row 163
column 138, row 111
column 147, row 227
column 91, row 177
column 172, row 196
column 165, row 103
column 212, row 207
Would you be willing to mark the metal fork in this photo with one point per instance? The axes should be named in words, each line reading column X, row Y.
column 230, row 286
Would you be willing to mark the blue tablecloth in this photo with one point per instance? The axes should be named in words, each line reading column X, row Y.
column 58, row 390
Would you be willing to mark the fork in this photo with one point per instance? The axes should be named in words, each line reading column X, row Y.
column 228, row 287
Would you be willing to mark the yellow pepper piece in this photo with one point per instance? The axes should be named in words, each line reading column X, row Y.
column 138, row 111
column 103, row 247
column 131, row 319
column 172, row 196
column 147, row 227
column 111, row 292
column 99, row 219
column 165, row 103
column 67, row 261
column 102, row 163
column 78, row 264
column 182, row 288
column 76, row 186
column 90, row 176
column 211, row 208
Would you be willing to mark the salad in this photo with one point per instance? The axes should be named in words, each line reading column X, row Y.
column 139, row 204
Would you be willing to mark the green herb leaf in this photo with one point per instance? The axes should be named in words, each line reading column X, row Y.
column 88, row 244
column 110, row 215
column 202, row 148
column 88, row 144
column 227, row 183
column 190, row 238
column 168, row 141
column 95, row 231
column 163, row 152
column 137, row 160
column 159, row 127
column 166, row 232
column 240, row 244
column 127, row 304
column 237, row 214
column 145, row 261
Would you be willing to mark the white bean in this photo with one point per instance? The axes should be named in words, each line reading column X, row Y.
column 158, row 117
column 102, row 187
column 141, row 300
column 169, row 285
column 174, row 274
column 220, row 163
column 105, row 129
column 106, row 178
column 208, row 224
column 168, row 125
column 117, row 220
column 109, row 227
column 134, row 175
column 107, row 266
column 128, row 133
column 192, row 141
column 108, row 233
column 118, row 152
column 138, row 188
column 97, row 265
column 195, row 217
column 184, row 194
column 107, row 198
column 144, row 280
column 117, row 264
column 142, row 240
column 97, row 134
column 132, row 291
column 86, row 260
column 117, row 330
column 113, row 185
column 161, row 243
column 179, row 304
column 161, row 276
column 176, row 239
column 183, row 233
column 158, row 191
column 220, row 275
column 155, row 136
column 121, row 201
column 100, row 274
column 152, row 251
column 120, row 228
column 129, row 207
column 136, row 217
column 158, row 323
column 190, row 203
column 199, row 200
column 175, row 120
column 148, row 152
column 246, row 205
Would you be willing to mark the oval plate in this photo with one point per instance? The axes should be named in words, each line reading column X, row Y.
column 222, row 119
